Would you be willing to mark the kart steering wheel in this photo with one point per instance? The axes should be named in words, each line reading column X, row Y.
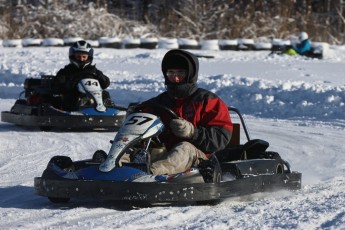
column 156, row 107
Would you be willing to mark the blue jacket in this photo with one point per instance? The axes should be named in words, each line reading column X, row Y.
column 302, row 47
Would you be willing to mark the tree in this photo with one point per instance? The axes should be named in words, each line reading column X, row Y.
column 324, row 20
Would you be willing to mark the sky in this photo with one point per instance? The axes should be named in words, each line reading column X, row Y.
column 294, row 103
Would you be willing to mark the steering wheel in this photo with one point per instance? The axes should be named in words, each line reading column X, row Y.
column 158, row 108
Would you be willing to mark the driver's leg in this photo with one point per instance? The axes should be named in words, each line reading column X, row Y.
column 179, row 159
column 106, row 99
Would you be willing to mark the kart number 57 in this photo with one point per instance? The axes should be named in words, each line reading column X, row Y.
column 138, row 120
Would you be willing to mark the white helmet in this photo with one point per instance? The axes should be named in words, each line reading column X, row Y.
column 302, row 36
column 81, row 47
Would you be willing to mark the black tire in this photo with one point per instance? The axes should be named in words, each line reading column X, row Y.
column 99, row 156
column 279, row 168
column 59, row 200
column 275, row 156
column 63, row 162
column 271, row 155
column 217, row 174
column 210, row 170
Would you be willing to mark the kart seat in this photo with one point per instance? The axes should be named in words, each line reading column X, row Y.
column 253, row 149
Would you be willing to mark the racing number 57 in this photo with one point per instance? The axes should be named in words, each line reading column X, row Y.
column 138, row 120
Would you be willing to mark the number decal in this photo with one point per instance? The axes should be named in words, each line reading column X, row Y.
column 95, row 83
column 138, row 120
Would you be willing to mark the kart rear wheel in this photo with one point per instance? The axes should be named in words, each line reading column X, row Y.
column 217, row 175
column 59, row 200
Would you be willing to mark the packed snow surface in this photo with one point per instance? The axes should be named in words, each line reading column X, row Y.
column 294, row 103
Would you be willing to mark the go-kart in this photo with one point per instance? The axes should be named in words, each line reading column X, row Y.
column 39, row 106
column 239, row 169
column 314, row 52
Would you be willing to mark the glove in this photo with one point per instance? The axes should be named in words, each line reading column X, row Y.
column 182, row 128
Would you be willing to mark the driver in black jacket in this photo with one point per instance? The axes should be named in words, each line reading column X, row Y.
column 67, row 78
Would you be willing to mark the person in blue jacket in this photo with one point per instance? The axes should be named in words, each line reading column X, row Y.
column 302, row 47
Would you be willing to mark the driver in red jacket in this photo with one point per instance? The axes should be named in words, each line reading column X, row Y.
column 204, row 125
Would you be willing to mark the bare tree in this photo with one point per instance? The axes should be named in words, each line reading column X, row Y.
column 324, row 20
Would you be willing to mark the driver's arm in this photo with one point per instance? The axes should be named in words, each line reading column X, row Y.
column 214, row 130
column 103, row 79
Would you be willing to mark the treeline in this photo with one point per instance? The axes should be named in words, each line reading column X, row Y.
column 324, row 20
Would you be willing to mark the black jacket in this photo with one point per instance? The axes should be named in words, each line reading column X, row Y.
column 67, row 78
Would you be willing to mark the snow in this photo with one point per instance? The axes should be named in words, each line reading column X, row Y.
column 294, row 103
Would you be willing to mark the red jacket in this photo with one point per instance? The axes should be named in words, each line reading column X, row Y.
column 206, row 111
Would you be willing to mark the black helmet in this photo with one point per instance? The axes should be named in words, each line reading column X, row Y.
column 81, row 47
column 181, row 59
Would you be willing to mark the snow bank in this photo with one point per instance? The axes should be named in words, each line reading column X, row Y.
column 296, row 104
